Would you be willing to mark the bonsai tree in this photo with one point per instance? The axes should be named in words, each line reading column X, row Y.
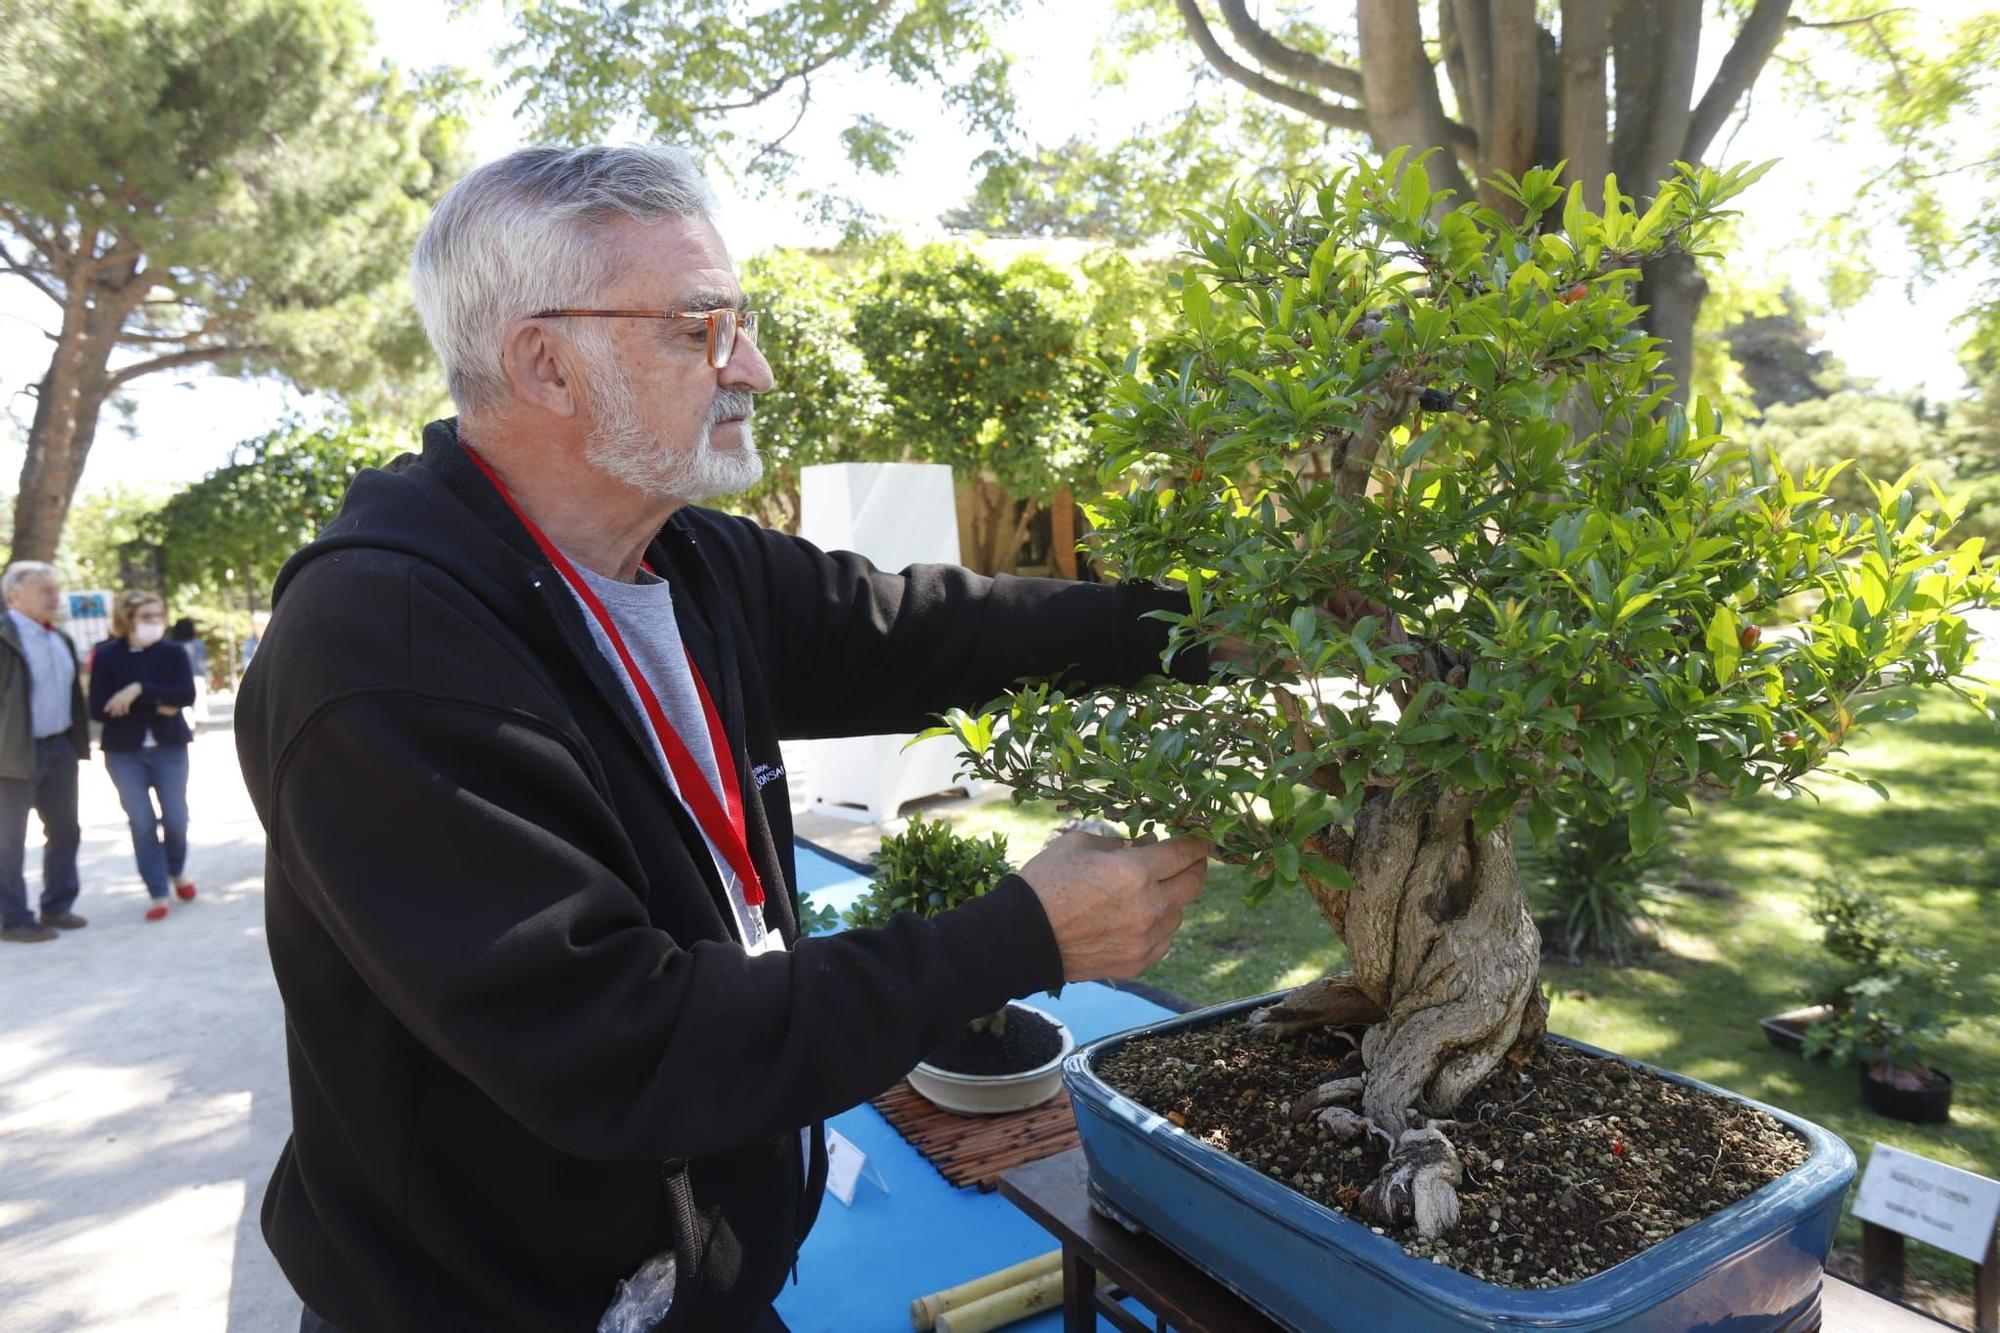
column 1454, row 556
column 929, row 868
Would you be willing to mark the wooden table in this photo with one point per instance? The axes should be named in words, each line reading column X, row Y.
column 1053, row 1191
column 1055, row 1194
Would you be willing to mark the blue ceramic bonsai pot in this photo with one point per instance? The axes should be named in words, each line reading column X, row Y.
column 1753, row 1267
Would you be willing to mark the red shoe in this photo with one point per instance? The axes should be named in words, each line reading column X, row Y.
column 157, row 912
column 186, row 892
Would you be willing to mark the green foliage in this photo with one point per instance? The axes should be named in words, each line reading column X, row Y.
column 100, row 538
column 1775, row 344
column 737, row 78
column 941, row 355
column 1134, row 190
column 1891, row 994
column 983, row 369
column 1919, row 84
column 1886, row 438
column 929, row 868
column 1453, row 415
column 252, row 160
column 826, row 406
column 237, row 526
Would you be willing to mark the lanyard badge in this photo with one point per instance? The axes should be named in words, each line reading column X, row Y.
column 723, row 821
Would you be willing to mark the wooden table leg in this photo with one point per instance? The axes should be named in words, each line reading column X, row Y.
column 1881, row 1258
column 1079, row 1292
column 1986, row 1291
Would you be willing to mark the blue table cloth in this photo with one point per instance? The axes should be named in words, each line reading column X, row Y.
column 863, row 1265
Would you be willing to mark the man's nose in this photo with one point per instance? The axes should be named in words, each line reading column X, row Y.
column 747, row 368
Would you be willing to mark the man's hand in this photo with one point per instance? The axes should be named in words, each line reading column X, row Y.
column 1347, row 609
column 120, row 703
column 1115, row 907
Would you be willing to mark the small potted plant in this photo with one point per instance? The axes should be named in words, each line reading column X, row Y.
column 1880, row 1018
column 1860, row 937
column 1004, row 1061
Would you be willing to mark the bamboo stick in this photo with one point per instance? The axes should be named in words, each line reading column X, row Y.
column 924, row 1311
column 1005, row 1307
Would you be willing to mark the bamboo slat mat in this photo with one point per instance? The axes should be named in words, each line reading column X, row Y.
column 975, row 1149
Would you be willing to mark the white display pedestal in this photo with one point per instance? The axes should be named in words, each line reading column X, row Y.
column 895, row 514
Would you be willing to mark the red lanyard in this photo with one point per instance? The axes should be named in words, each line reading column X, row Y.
column 725, row 827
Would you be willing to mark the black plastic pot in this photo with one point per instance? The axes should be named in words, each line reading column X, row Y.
column 1928, row 1105
column 1787, row 1031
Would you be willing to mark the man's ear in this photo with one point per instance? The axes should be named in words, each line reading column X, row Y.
column 540, row 368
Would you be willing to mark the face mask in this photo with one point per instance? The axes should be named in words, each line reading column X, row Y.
column 146, row 633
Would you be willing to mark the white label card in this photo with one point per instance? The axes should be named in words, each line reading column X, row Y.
column 846, row 1165
column 1928, row 1201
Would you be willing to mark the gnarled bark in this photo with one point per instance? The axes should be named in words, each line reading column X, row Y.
column 1446, row 970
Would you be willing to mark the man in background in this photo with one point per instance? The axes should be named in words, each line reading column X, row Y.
column 44, row 731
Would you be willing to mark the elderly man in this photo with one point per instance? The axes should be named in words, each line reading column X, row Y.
column 44, row 731
column 549, row 1016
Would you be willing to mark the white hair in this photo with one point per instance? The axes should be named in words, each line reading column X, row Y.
column 523, row 234
column 20, row 572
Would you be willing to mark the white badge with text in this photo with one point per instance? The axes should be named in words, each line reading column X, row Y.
column 846, row 1167
column 1928, row 1201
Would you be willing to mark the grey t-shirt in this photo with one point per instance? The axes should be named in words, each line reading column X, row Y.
column 644, row 614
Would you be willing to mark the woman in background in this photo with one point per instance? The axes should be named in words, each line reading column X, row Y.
column 138, row 687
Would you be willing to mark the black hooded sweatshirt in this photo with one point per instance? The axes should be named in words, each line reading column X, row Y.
column 526, row 1053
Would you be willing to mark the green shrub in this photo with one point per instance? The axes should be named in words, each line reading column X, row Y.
column 1600, row 888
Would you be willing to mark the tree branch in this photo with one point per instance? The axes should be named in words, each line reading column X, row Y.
column 858, row 28
column 1327, row 113
column 1289, row 61
column 193, row 356
column 34, row 279
column 775, row 145
column 28, row 232
column 1739, row 69
column 1864, row 20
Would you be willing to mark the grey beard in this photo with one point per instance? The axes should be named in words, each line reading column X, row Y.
column 620, row 447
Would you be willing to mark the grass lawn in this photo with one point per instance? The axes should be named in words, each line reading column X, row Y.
column 1731, row 956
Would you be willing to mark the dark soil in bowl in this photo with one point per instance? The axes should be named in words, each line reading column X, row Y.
column 1029, row 1041
column 1572, row 1162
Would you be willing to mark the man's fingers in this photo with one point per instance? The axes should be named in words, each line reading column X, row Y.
column 1164, row 860
column 1085, row 842
column 1186, row 886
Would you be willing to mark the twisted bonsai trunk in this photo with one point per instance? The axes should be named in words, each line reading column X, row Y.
column 1446, row 974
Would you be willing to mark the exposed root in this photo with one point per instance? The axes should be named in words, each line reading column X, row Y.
column 1418, row 1185
column 1347, row 1125
column 1334, row 1092
column 1445, row 979
column 1334, row 1001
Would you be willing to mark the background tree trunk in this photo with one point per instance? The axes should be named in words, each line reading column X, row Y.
column 1672, row 290
column 67, row 403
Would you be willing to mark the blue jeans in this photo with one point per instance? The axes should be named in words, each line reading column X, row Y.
column 159, row 838
column 51, row 793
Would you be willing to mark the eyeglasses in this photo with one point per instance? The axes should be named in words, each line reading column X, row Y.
column 724, row 323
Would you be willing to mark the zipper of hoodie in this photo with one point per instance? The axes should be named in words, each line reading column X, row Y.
column 679, row 1190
